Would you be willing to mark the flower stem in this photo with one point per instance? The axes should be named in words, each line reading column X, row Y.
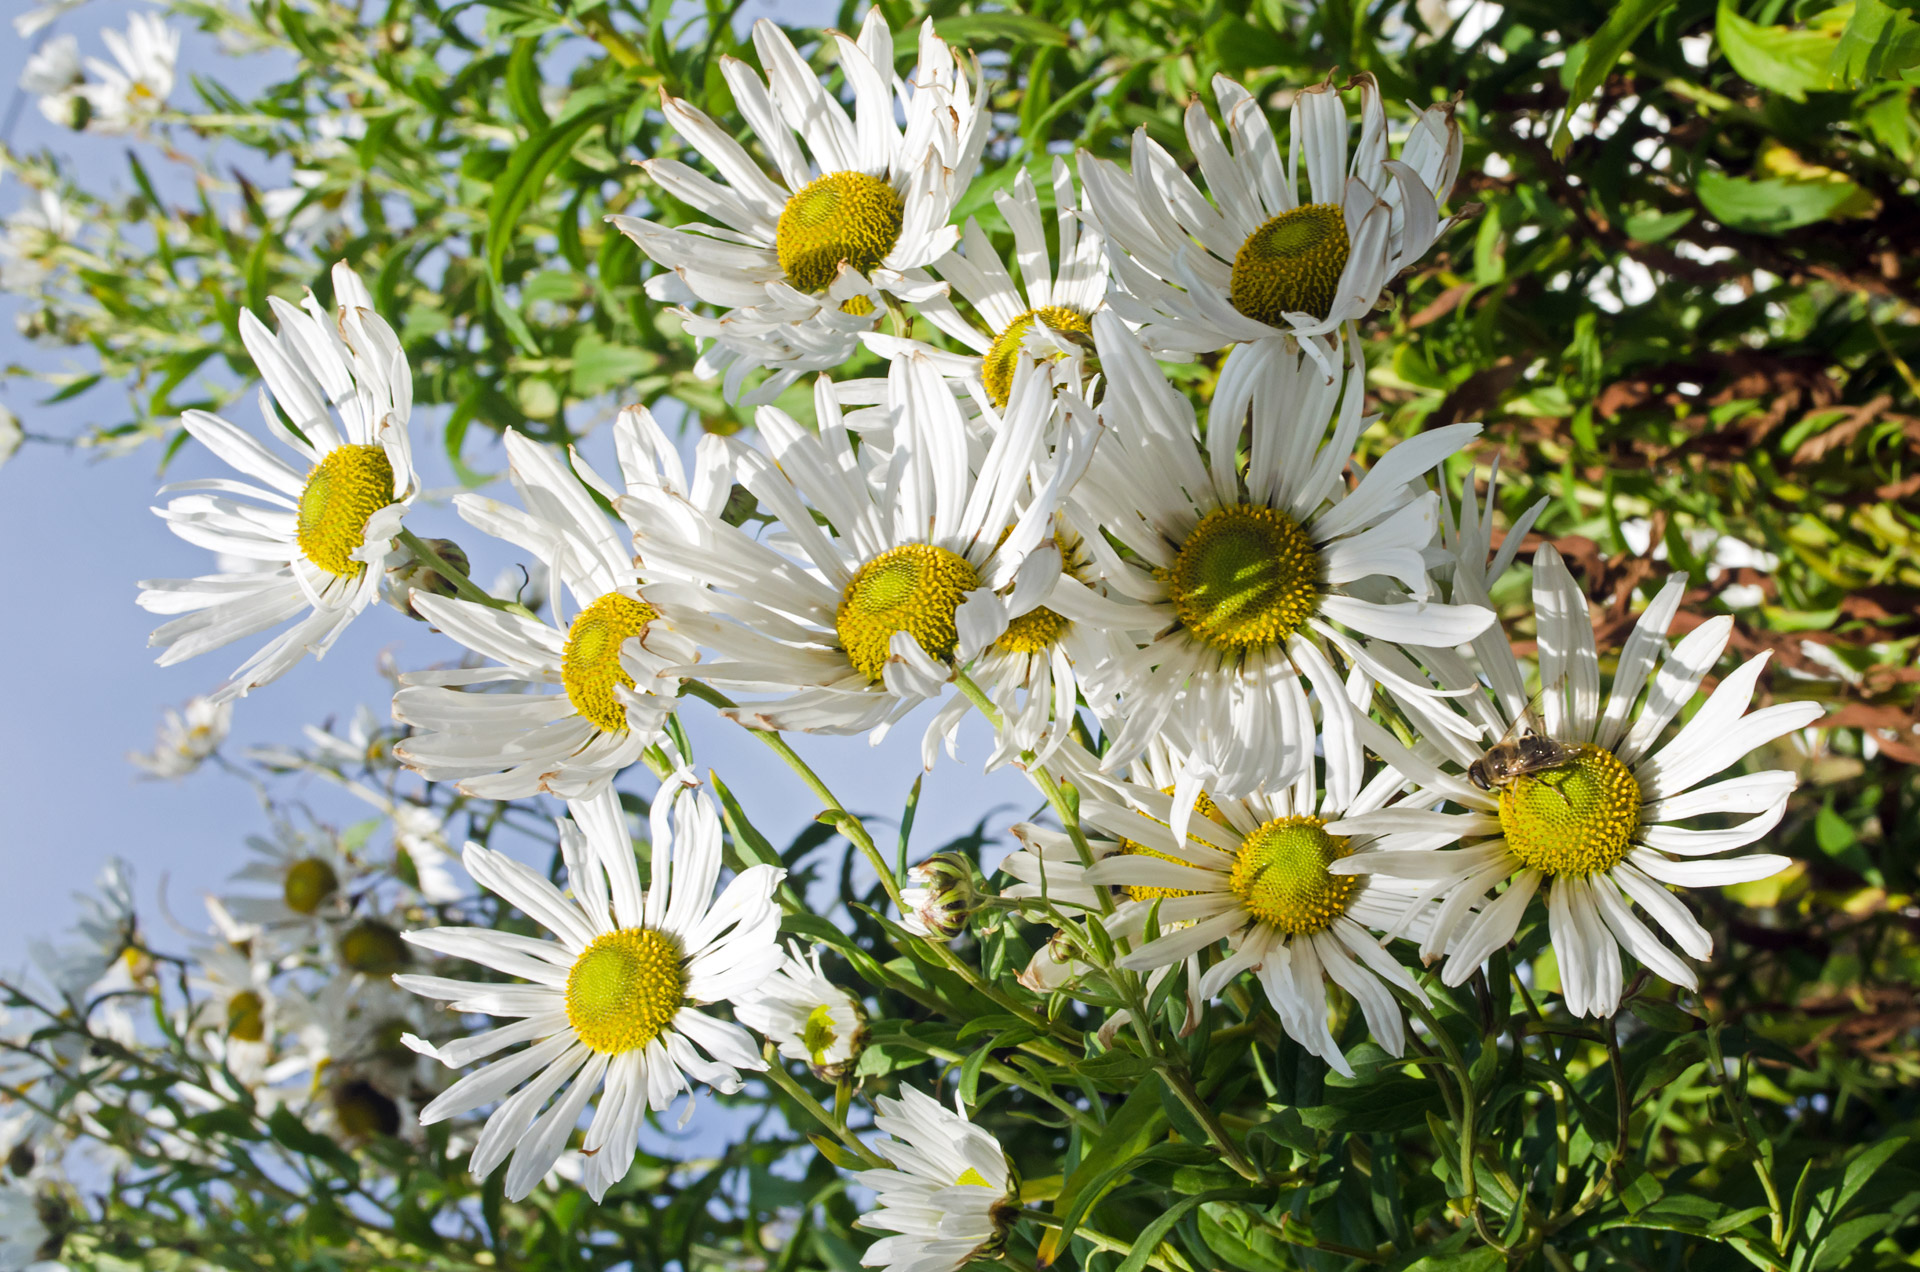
column 465, row 588
column 777, row 1073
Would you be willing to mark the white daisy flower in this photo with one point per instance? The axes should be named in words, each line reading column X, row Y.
column 1040, row 314
column 573, row 702
column 11, row 434
column 133, row 88
column 616, row 998
column 1258, row 263
column 187, row 738
column 33, row 236
column 950, row 1196
column 858, row 620
column 310, row 880
column 1255, row 872
column 803, row 261
column 1248, row 570
column 323, row 538
column 24, row 1238
column 32, row 20
column 53, row 71
column 808, row 1017
column 106, row 933
column 1601, row 828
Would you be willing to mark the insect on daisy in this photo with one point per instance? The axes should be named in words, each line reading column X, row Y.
column 804, row 259
column 1260, row 263
column 615, row 999
column 321, row 542
column 861, row 615
column 1246, row 570
column 1595, row 812
column 503, row 732
column 950, row 1195
column 1255, row 872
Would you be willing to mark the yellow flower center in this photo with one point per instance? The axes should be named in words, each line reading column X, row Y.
column 308, row 884
column 1291, row 264
column 914, row 588
column 626, row 988
column 246, row 1017
column 819, row 1035
column 590, row 660
column 843, row 218
column 1577, row 819
column 1281, row 876
column 1205, row 806
column 858, row 306
column 997, row 368
column 346, row 487
column 1245, row 577
column 974, row 1177
column 374, row 948
column 1034, row 632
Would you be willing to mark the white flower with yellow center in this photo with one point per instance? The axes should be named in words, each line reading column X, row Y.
column 33, row 239
column 862, row 614
column 804, row 258
column 321, row 541
column 615, row 1000
column 572, row 702
column 309, row 882
column 187, row 738
column 1596, row 819
column 1260, row 262
column 1248, row 563
column 133, row 89
column 950, row 1196
column 1045, row 313
column 808, row 1017
column 1254, row 872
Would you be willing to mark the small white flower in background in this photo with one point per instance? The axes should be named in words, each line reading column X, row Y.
column 1259, row 265
column 324, row 536
column 616, row 999
column 808, row 1017
column 54, row 71
column 23, row 1232
column 1599, row 830
column 36, row 19
column 309, row 878
column 187, row 738
column 571, row 704
column 11, row 435
column 33, row 235
column 805, row 261
column 950, row 1196
column 134, row 87
column 106, row 932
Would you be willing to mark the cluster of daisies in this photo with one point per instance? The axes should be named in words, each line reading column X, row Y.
column 1272, row 674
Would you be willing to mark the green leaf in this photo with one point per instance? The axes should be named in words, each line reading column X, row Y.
column 1241, row 1241
column 1787, row 60
column 984, row 28
column 1394, row 1104
column 599, row 366
column 1154, row 1233
column 292, row 1134
column 1600, row 54
column 1651, row 227
column 1770, row 206
column 1877, row 41
column 1135, row 1124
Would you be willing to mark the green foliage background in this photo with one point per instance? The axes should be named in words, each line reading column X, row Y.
column 1739, row 179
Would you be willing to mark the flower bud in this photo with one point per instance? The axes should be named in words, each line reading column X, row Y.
column 942, row 897
column 414, row 575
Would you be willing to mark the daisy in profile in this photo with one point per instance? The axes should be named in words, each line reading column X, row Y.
column 614, row 1000
column 1042, row 313
column 1255, row 872
column 133, row 89
column 1580, row 798
column 856, row 617
column 570, row 702
column 187, row 738
column 808, row 1017
column 950, row 1195
column 1250, row 571
column 805, row 258
column 319, row 538
column 1260, row 262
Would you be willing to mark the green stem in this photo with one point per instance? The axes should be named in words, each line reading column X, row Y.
column 465, row 588
column 1183, row 1087
column 776, row 1072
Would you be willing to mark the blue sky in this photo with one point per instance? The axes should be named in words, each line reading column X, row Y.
column 77, row 535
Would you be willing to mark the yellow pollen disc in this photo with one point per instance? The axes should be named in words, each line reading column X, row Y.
column 1204, row 806
column 858, row 306
column 914, row 588
column 972, row 1176
column 246, row 1017
column 1246, row 577
column 1577, row 819
column 819, row 1033
column 374, row 948
column 843, row 218
column 997, row 368
column 308, row 884
column 625, row 989
column 1281, row 876
column 1034, row 632
column 1291, row 264
column 590, row 660
column 347, row 486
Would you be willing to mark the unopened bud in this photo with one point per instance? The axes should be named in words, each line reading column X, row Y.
column 942, row 897
column 418, row 576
